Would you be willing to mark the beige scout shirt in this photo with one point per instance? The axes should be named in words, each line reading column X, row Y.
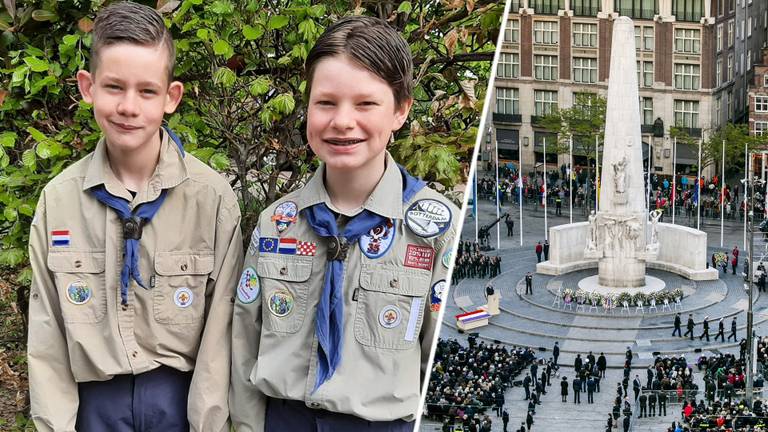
column 388, row 322
column 191, row 252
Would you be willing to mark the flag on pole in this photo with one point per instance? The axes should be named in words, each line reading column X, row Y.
column 474, row 198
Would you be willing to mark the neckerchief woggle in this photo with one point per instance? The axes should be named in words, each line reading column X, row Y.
column 329, row 321
column 133, row 221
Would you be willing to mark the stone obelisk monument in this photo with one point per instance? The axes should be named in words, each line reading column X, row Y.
column 617, row 233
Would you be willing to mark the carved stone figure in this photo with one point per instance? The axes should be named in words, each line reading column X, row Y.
column 592, row 236
column 620, row 181
column 655, row 216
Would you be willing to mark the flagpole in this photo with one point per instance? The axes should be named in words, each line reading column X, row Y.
column 545, row 188
column 570, row 178
column 722, row 194
column 674, row 178
column 498, row 197
column 474, row 205
column 597, row 172
column 649, row 191
column 520, row 187
column 746, row 158
column 698, row 189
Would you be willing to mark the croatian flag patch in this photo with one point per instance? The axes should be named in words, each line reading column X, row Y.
column 60, row 238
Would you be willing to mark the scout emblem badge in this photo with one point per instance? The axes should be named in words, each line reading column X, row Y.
column 78, row 292
column 378, row 240
column 390, row 316
column 248, row 287
column 183, row 297
column 285, row 215
column 428, row 218
column 281, row 303
column 436, row 295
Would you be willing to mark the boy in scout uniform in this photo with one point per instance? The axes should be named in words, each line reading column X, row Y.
column 134, row 251
column 338, row 301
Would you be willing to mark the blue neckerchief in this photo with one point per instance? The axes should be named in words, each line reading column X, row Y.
column 142, row 214
column 329, row 321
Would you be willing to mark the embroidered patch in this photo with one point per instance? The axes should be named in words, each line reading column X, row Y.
column 436, row 295
column 390, row 316
column 253, row 247
column 268, row 244
column 377, row 241
column 285, row 215
column 281, row 303
column 428, row 218
column 183, row 297
column 60, row 238
column 287, row 246
column 248, row 287
column 447, row 259
column 78, row 292
column 419, row 257
column 306, row 248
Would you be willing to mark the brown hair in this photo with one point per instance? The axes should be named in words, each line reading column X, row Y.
column 373, row 44
column 133, row 23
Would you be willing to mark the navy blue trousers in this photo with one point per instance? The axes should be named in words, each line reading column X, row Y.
column 295, row 416
column 155, row 401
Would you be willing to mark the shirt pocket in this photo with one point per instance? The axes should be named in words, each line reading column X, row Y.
column 81, row 285
column 178, row 296
column 285, row 291
column 390, row 307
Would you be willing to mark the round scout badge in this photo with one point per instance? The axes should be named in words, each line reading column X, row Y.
column 281, row 303
column 285, row 215
column 447, row 259
column 248, row 287
column 78, row 292
column 183, row 297
column 378, row 240
column 390, row 316
column 428, row 218
column 436, row 295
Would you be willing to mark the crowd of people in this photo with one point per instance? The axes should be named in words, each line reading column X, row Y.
column 472, row 263
column 467, row 383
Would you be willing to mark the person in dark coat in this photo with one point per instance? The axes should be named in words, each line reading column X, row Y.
column 636, row 386
column 546, row 250
column 510, row 223
column 505, row 419
column 590, row 390
column 529, row 283
column 652, row 404
column 648, row 377
column 556, row 352
column 705, row 325
column 527, row 386
column 529, row 420
column 576, row 390
column 689, row 326
column 626, row 423
column 543, row 381
column 720, row 331
column 602, row 364
column 733, row 330
column 564, row 390
column 663, row 403
column 677, row 329
column 643, row 405
column 577, row 363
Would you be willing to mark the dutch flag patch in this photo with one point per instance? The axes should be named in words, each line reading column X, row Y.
column 60, row 238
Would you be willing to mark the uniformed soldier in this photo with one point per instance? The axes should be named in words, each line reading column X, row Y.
column 130, row 307
column 338, row 300
column 652, row 404
column 643, row 405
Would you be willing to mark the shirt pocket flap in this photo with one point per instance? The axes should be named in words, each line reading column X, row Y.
column 76, row 262
column 184, row 263
column 395, row 281
column 288, row 268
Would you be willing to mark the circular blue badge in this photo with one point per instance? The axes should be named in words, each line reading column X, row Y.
column 428, row 218
column 376, row 242
column 78, row 292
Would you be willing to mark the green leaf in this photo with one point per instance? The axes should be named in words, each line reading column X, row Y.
column 202, row 34
column 36, row 64
column 307, row 28
column 11, row 257
column 221, row 7
column 37, row 135
column 260, row 86
column 222, row 48
column 25, row 276
column 219, row 161
column 252, row 33
column 203, row 153
column 10, row 214
column 317, row 11
column 405, row 7
column 44, row 15
column 28, row 158
column 224, row 76
column 284, row 103
column 44, row 150
column 4, row 159
column 71, row 40
column 38, row 85
column 277, row 22
column 8, row 139
column 27, row 210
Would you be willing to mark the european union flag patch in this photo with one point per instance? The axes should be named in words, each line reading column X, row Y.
column 268, row 244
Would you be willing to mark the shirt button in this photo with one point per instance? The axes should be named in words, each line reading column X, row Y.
column 134, row 354
column 394, row 283
column 78, row 264
column 34, row 296
column 183, row 267
column 314, row 405
column 284, row 271
column 125, row 307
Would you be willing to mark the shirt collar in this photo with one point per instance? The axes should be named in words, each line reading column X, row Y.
column 385, row 200
column 171, row 170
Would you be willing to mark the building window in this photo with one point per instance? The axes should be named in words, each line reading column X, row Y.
column 687, row 76
column 585, row 7
column 719, row 37
column 645, row 73
column 509, row 65
column 546, row 6
column 688, row 10
column 637, row 9
column 646, row 110
column 730, row 67
column 719, row 73
column 544, row 102
column 761, row 104
column 584, row 35
column 507, row 100
column 761, row 128
column 512, row 32
column 583, row 102
column 729, row 104
column 686, row 113
column 718, row 108
column 730, row 33
column 584, row 70
column 644, row 38
column 687, row 41
column 545, row 67
column 749, row 27
column 765, row 80
column 545, row 32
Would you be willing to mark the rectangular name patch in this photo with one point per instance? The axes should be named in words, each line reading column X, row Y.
column 419, row 257
column 60, row 237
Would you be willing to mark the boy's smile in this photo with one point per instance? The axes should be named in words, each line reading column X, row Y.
column 351, row 116
column 130, row 94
